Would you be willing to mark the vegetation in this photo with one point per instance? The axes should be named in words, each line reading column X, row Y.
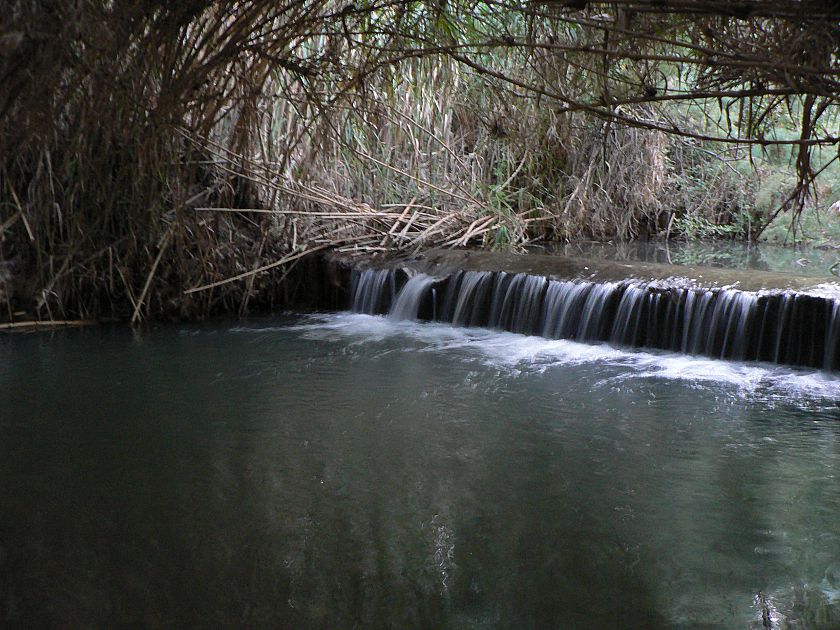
column 156, row 158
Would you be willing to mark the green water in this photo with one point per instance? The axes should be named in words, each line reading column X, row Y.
column 347, row 471
column 801, row 260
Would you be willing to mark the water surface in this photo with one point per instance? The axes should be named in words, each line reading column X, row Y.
column 800, row 260
column 340, row 471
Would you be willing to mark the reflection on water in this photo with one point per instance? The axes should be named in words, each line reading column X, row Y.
column 350, row 471
column 803, row 261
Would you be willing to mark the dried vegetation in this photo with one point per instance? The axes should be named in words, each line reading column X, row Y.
column 159, row 158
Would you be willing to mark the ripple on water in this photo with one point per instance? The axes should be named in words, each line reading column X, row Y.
column 517, row 353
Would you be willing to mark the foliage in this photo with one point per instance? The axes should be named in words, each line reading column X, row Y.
column 382, row 126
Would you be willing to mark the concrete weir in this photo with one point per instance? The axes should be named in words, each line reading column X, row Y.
column 738, row 315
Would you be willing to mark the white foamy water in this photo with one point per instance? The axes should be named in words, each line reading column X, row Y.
column 534, row 353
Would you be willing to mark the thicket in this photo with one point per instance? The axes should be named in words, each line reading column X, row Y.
column 179, row 159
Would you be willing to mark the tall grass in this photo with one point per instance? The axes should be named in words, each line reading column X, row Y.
column 100, row 172
column 179, row 159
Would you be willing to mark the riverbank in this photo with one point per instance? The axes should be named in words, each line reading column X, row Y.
column 319, row 281
column 240, row 140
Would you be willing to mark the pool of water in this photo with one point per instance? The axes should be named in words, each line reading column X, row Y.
column 800, row 260
column 341, row 471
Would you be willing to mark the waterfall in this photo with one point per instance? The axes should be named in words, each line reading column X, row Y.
column 562, row 307
column 782, row 327
column 519, row 308
column 469, row 300
column 832, row 336
column 595, row 311
column 691, row 321
column 410, row 297
column 371, row 290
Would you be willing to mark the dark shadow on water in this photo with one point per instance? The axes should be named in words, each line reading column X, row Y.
column 192, row 478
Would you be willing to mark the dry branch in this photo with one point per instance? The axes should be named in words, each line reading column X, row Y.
column 308, row 122
column 248, row 274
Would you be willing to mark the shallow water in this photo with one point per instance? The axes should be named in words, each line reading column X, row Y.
column 340, row 471
column 799, row 260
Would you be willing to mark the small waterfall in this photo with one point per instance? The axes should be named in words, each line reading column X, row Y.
column 782, row 327
column 519, row 308
column 469, row 301
column 691, row 321
column 625, row 330
column 410, row 297
column 562, row 307
column 784, row 318
column 832, row 337
column 373, row 290
column 596, row 311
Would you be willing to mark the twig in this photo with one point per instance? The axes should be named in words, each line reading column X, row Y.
column 22, row 215
column 394, row 227
column 10, row 221
column 128, row 290
column 282, row 261
column 53, row 323
column 419, row 180
column 162, row 245
column 306, row 213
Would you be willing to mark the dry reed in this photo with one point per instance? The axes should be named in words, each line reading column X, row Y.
column 159, row 159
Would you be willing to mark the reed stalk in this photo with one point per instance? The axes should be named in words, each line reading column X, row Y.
column 175, row 159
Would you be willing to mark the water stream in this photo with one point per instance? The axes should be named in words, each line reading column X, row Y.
column 782, row 327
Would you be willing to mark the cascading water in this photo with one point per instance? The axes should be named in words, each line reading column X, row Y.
column 370, row 290
column 469, row 301
column 407, row 303
column 781, row 327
